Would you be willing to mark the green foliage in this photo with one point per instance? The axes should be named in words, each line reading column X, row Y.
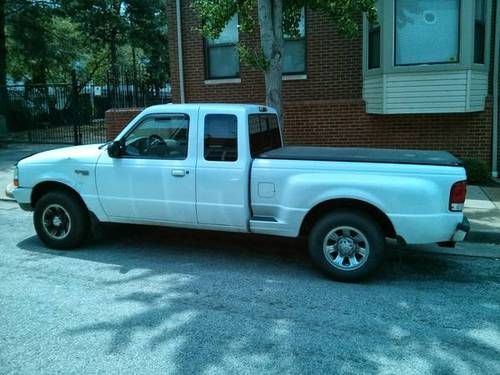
column 46, row 39
column 345, row 14
column 216, row 14
column 477, row 170
column 252, row 57
column 42, row 46
column 29, row 29
column 149, row 34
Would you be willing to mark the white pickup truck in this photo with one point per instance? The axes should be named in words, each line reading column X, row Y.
column 224, row 167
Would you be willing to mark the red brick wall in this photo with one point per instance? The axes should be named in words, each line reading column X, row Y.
column 327, row 108
column 345, row 123
column 116, row 119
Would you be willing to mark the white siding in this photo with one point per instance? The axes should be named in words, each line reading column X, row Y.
column 478, row 90
column 373, row 94
column 432, row 92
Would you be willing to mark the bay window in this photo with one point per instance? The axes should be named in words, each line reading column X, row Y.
column 221, row 55
column 427, row 31
column 427, row 56
column 479, row 31
column 374, row 33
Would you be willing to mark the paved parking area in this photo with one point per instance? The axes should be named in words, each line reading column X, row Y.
column 153, row 300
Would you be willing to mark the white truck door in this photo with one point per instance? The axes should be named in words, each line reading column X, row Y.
column 223, row 169
column 154, row 179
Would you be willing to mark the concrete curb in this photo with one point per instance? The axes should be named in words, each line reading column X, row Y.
column 483, row 236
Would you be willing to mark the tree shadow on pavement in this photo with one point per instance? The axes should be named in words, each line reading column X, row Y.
column 231, row 303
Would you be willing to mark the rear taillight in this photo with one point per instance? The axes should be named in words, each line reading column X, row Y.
column 15, row 181
column 457, row 196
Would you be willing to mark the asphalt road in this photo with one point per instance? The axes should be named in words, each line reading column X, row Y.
column 153, row 300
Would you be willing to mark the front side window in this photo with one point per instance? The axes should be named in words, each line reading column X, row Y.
column 374, row 42
column 427, row 31
column 294, row 55
column 222, row 57
column 221, row 138
column 264, row 133
column 164, row 137
column 479, row 31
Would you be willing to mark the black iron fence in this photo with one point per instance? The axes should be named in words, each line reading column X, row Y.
column 73, row 112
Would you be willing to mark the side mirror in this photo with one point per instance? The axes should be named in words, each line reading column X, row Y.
column 115, row 149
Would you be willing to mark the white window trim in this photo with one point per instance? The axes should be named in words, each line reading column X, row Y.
column 222, row 81
column 294, row 77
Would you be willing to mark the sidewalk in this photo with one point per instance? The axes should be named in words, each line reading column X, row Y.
column 482, row 206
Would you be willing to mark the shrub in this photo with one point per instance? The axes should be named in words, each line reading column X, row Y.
column 477, row 170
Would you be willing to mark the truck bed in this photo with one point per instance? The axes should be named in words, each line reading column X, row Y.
column 363, row 155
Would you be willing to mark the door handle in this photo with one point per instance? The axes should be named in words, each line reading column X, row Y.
column 178, row 172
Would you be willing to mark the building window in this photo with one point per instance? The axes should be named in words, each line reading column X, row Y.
column 479, row 31
column 374, row 46
column 374, row 40
column 294, row 60
column 221, row 138
column 427, row 31
column 222, row 58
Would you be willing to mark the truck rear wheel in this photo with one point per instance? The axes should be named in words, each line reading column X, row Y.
column 61, row 221
column 347, row 246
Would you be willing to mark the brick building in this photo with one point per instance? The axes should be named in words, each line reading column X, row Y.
column 423, row 77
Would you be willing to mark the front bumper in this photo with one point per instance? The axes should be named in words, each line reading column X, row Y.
column 22, row 197
column 462, row 231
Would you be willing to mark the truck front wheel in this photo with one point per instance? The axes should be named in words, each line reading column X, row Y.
column 347, row 246
column 61, row 221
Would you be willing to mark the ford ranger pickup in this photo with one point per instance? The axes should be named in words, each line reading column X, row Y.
column 224, row 167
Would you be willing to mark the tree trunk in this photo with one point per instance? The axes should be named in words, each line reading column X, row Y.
column 271, row 39
column 3, row 60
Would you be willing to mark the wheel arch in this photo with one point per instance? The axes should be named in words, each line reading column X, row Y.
column 45, row 187
column 325, row 207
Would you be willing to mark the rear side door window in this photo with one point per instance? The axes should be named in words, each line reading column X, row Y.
column 221, row 138
column 264, row 133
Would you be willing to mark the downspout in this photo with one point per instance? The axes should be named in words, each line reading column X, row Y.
column 180, row 59
column 494, row 149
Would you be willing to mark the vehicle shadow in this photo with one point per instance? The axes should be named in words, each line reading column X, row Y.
column 218, row 302
column 133, row 246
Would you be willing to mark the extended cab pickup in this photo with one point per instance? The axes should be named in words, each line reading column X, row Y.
column 224, row 167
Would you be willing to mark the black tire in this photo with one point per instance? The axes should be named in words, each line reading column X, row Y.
column 370, row 231
column 60, row 204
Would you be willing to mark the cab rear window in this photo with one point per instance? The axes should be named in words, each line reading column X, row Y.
column 264, row 133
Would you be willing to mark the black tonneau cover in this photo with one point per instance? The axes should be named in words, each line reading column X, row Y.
column 363, row 155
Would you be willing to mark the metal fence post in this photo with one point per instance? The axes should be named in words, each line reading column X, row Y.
column 74, row 93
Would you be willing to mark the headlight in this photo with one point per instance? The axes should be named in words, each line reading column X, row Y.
column 16, row 176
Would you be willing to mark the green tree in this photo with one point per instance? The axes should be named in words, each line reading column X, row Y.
column 3, row 59
column 43, row 47
column 148, row 33
column 275, row 18
column 43, row 40
column 103, row 24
